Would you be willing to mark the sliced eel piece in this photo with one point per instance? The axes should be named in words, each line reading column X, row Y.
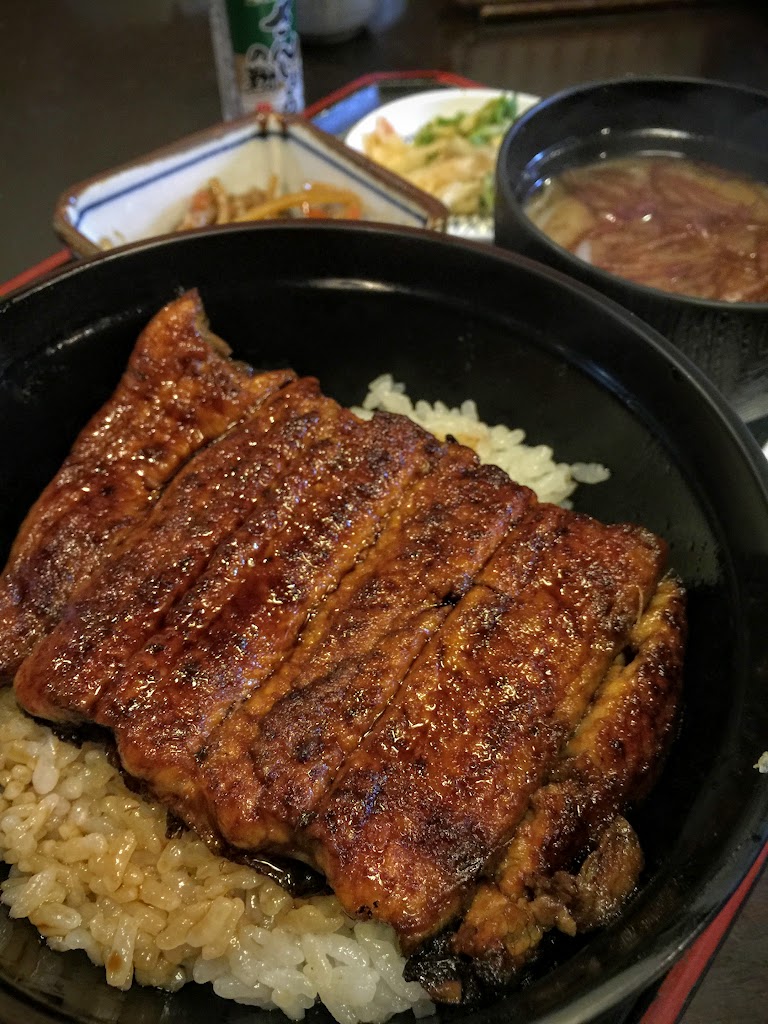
column 273, row 759
column 125, row 603
column 606, row 879
column 572, row 902
column 611, row 759
column 437, row 787
column 244, row 616
column 178, row 392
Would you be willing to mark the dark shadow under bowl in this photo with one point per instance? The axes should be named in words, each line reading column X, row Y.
column 707, row 121
column 534, row 349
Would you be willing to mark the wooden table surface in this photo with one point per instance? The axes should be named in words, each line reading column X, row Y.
column 87, row 84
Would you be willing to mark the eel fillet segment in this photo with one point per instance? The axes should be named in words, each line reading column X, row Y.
column 440, row 783
column 276, row 571
column 611, row 760
column 178, row 392
column 275, row 757
column 118, row 610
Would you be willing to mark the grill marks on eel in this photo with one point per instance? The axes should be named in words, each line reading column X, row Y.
column 178, row 392
column 111, row 617
column 244, row 615
column 350, row 642
column 272, row 761
column 611, row 759
column 438, row 786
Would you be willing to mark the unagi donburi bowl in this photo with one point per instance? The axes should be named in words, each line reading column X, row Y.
column 536, row 349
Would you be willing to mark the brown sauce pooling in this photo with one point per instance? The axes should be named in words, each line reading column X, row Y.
column 665, row 222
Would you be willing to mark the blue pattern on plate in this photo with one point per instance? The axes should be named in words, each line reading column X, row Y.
column 225, row 147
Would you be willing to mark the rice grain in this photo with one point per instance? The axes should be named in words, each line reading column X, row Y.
column 95, row 872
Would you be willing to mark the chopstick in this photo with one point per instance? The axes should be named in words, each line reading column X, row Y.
column 524, row 8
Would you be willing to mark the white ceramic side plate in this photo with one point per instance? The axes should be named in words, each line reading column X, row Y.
column 410, row 113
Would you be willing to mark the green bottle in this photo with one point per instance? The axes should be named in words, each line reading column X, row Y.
column 258, row 56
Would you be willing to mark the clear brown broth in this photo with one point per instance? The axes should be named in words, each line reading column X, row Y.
column 662, row 221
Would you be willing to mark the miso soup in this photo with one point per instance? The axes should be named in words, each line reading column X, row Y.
column 662, row 221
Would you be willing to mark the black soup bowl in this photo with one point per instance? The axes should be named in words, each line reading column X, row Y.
column 534, row 348
column 711, row 122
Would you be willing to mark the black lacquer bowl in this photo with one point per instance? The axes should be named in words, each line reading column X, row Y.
column 713, row 122
column 534, row 349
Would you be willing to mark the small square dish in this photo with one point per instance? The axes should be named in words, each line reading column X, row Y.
column 150, row 195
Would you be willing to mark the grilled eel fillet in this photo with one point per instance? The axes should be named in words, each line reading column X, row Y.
column 120, row 608
column 178, row 392
column 439, row 784
column 350, row 642
column 268, row 767
column 611, row 759
column 296, row 548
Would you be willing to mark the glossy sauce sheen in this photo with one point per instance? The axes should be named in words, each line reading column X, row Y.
column 611, row 759
column 243, row 616
column 284, row 746
column 668, row 223
column 179, row 391
column 441, row 781
column 117, row 611
column 347, row 641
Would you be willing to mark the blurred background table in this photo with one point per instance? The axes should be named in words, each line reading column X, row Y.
column 87, row 84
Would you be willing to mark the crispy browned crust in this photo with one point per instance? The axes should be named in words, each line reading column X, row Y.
column 442, row 780
column 244, row 615
column 274, row 758
column 119, row 609
column 177, row 393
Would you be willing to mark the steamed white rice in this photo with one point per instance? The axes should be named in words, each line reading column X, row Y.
column 92, row 867
column 93, row 870
column 534, row 466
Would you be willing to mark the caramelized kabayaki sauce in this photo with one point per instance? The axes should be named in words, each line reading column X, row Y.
column 665, row 222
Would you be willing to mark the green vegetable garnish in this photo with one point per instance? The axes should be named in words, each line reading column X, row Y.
column 479, row 128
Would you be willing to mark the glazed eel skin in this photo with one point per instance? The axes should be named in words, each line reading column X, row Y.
column 348, row 642
column 443, row 778
column 611, row 759
column 179, row 391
